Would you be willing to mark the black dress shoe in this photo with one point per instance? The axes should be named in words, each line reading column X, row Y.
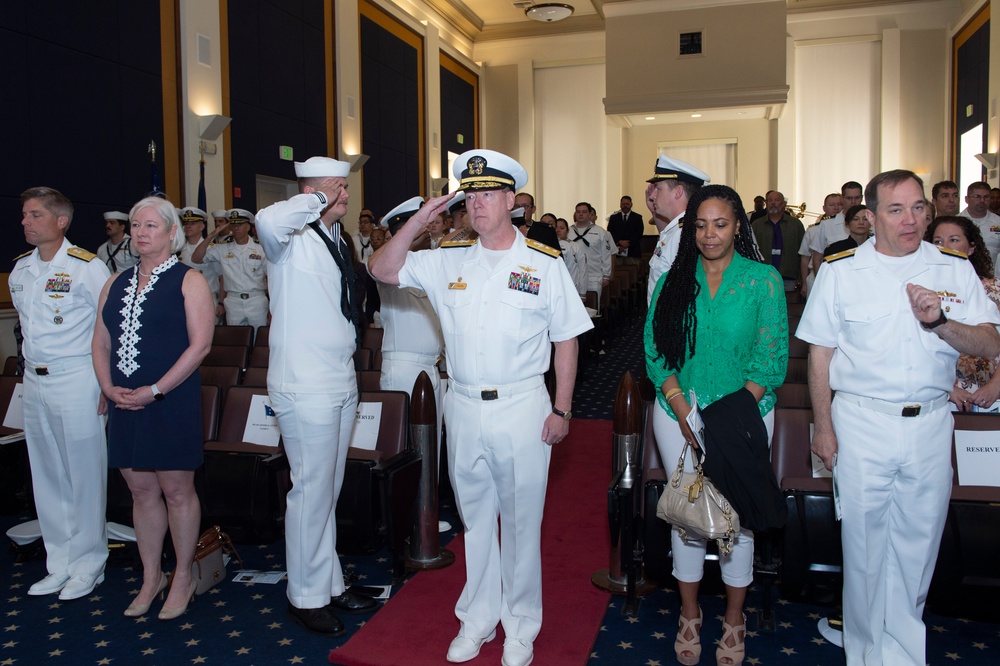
column 320, row 621
column 349, row 602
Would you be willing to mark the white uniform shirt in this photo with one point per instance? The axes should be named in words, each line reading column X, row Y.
column 599, row 248
column 830, row 231
column 860, row 307
column 409, row 322
column 312, row 343
column 664, row 254
column 57, row 305
column 210, row 271
column 808, row 239
column 576, row 264
column 118, row 257
column 243, row 266
column 363, row 246
column 989, row 225
column 498, row 326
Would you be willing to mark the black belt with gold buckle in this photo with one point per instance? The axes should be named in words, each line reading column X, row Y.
column 490, row 394
column 911, row 410
column 41, row 371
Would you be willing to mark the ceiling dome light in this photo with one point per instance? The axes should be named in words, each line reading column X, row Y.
column 547, row 12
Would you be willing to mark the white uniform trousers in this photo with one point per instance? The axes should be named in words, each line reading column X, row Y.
column 499, row 466
column 399, row 373
column 894, row 475
column 67, row 448
column 316, row 432
column 689, row 556
column 251, row 311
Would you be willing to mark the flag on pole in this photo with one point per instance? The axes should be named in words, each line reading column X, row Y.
column 154, row 178
column 202, row 198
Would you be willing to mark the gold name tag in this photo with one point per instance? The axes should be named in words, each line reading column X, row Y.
column 458, row 285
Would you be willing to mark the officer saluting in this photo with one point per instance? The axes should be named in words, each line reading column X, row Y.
column 244, row 269
column 56, row 288
column 501, row 299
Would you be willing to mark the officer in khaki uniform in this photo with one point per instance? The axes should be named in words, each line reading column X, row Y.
column 244, row 269
column 55, row 289
column 502, row 301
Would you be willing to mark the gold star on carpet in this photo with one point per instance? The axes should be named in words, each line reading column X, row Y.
column 753, row 660
column 94, row 598
column 814, row 616
column 625, row 646
column 257, row 597
column 658, row 635
column 789, row 651
column 219, row 604
column 939, row 629
column 16, row 586
column 55, row 635
column 350, row 566
column 964, row 620
column 604, row 628
column 653, row 662
column 144, row 618
column 17, row 575
column 631, row 620
column 783, row 602
column 186, row 626
column 104, row 662
column 234, row 634
column 382, row 560
column 11, row 600
column 55, row 620
column 56, row 653
column 243, row 650
column 145, row 634
column 285, row 641
column 198, row 660
column 751, row 633
column 269, row 556
column 54, row 606
column 6, row 662
column 13, row 613
column 264, row 611
column 295, row 660
column 785, row 625
column 192, row 642
column 100, row 627
column 149, row 651
column 214, row 590
column 101, row 644
column 13, row 643
column 96, row 612
column 981, row 646
column 663, row 611
column 819, row 640
column 226, row 618
column 952, row 655
column 274, row 625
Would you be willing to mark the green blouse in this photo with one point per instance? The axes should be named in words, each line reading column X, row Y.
column 742, row 334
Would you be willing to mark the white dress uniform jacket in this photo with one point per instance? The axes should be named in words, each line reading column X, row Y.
column 244, row 271
column 830, row 231
column 664, row 254
column 498, row 325
column 894, row 470
column 210, row 271
column 313, row 389
column 576, row 264
column 599, row 247
column 989, row 225
column 118, row 257
column 57, row 306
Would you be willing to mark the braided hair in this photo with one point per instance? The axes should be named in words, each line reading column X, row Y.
column 675, row 319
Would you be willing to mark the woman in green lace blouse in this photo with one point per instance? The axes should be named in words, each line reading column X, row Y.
column 717, row 324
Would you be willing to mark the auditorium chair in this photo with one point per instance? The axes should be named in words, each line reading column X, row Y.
column 233, row 336
column 15, row 473
column 227, row 355
column 380, row 486
column 797, row 348
column 796, row 310
column 10, row 366
column 363, row 359
column 793, row 395
column 798, row 371
column 260, row 357
column 119, row 499
column 369, row 380
column 255, row 377
column 966, row 577
column 373, row 339
column 242, row 486
column 263, row 336
column 222, row 376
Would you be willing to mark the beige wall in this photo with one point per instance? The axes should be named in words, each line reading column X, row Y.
column 923, row 66
column 500, row 130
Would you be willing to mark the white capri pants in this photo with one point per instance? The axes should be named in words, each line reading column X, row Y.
column 689, row 556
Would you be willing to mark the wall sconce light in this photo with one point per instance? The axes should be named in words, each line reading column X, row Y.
column 211, row 127
column 357, row 161
column 988, row 160
column 437, row 184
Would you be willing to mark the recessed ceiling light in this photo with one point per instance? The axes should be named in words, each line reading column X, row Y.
column 696, row 115
column 650, row 117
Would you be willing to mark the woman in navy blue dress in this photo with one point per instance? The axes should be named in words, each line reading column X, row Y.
column 156, row 326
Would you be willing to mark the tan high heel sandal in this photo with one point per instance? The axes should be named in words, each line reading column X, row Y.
column 138, row 610
column 734, row 653
column 688, row 627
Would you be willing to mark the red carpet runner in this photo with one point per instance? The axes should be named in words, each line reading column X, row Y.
column 416, row 626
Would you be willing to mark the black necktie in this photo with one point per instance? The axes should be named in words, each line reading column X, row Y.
column 582, row 236
column 348, row 302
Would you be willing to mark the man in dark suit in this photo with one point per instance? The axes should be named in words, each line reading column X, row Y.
column 626, row 228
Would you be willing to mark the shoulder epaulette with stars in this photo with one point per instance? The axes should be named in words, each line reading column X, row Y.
column 840, row 255
column 80, row 253
column 22, row 256
column 542, row 247
column 459, row 243
column 954, row 253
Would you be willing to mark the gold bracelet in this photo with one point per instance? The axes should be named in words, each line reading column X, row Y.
column 672, row 393
column 673, row 396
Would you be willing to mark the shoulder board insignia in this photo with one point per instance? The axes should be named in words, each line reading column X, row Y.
column 80, row 253
column 954, row 253
column 459, row 243
column 22, row 256
column 542, row 247
column 840, row 255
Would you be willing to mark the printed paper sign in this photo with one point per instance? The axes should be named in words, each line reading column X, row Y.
column 366, row 422
column 978, row 456
column 15, row 410
column 262, row 424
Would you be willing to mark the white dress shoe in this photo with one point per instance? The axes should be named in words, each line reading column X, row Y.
column 49, row 585
column 80, row 586
column 517, row 652
column 464, row 648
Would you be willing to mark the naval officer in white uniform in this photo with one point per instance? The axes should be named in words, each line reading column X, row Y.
column 502, row 300
column 886, row 322
column 193, row 222
column 55, row 289
column 311, row 381
column 243, row 266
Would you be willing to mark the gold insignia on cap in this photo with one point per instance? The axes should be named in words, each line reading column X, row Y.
column 477, row 165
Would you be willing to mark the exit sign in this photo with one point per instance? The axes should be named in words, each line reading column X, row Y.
column 285, row 153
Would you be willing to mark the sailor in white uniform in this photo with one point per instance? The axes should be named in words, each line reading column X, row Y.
column 502, row 300
column 244, row 269
column 193, row 221
column 117, row 253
